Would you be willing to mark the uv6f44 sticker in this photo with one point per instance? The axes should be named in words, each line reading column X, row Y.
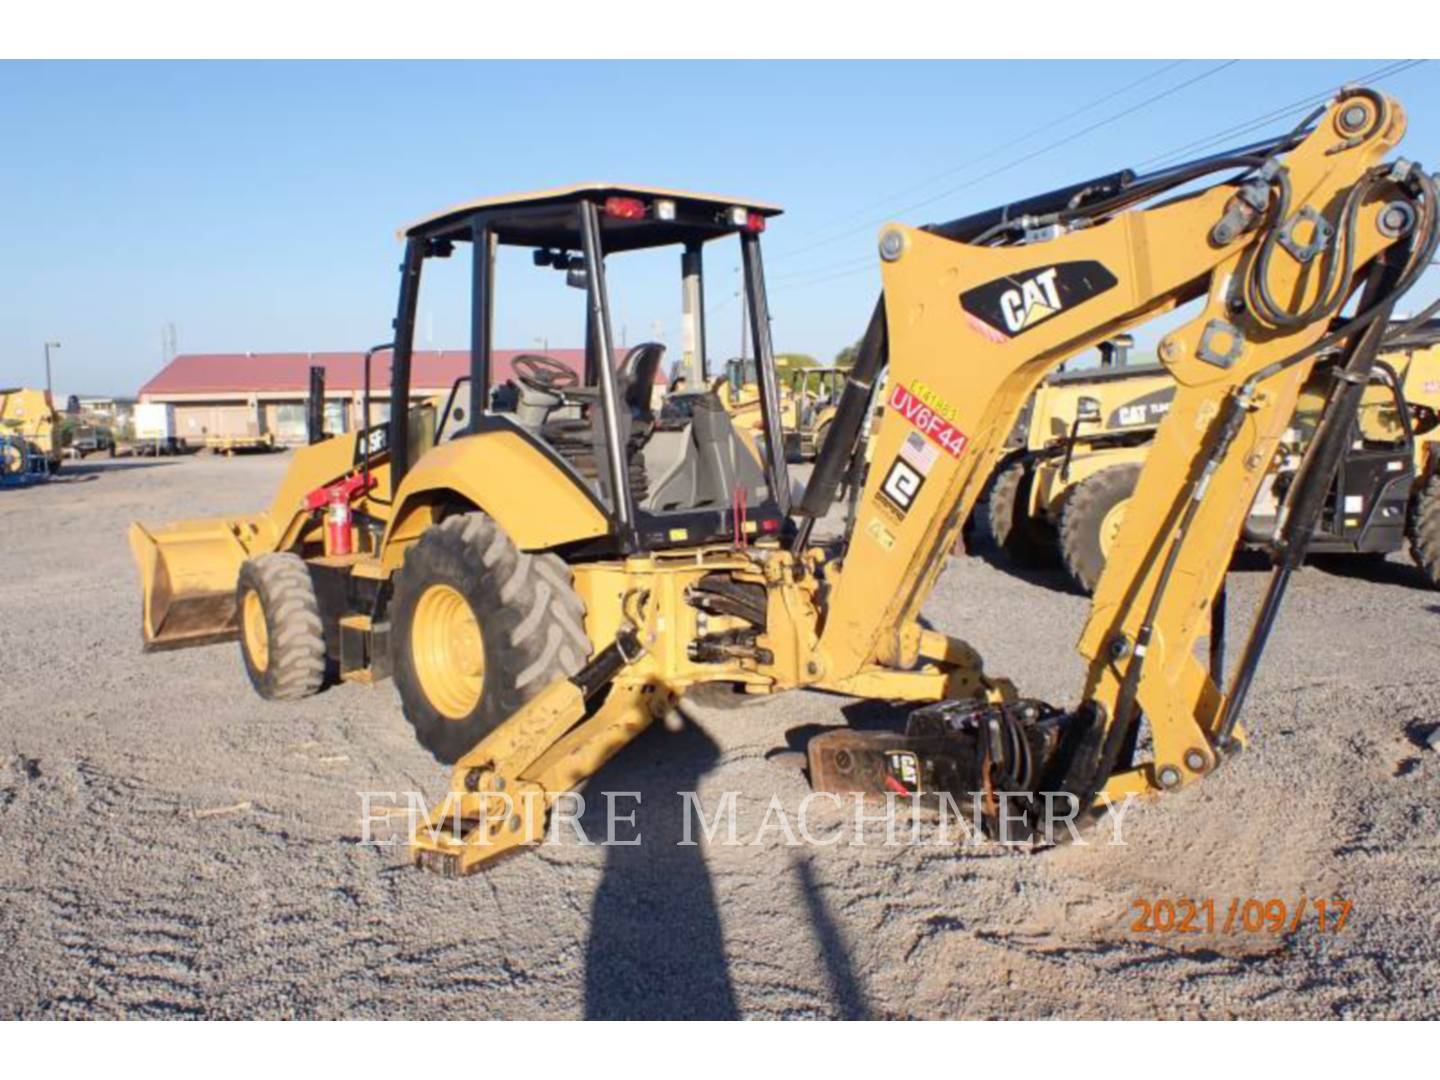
column 930, row 415
column 1011, row 305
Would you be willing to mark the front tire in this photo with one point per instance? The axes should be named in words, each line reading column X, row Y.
column 478, row 628
column 282, row 641
column 1425, row 531
column 1007, row 515
column 1090, row 521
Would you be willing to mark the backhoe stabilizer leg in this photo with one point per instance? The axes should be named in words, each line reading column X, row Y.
column 502, row 790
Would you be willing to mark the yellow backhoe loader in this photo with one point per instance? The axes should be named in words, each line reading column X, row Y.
column 535, row 616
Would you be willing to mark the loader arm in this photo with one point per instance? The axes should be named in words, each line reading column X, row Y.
column 971, row 330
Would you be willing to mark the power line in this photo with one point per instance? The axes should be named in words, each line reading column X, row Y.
column 1112, row 118
column 1280, row 113
column 887, row 199
column 849, row 269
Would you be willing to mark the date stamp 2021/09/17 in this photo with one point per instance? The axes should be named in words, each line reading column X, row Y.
column 1237, row 914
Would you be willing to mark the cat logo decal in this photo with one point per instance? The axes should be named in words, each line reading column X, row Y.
column 1007, row 307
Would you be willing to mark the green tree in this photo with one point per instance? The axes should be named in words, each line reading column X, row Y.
column 792, row 361
column 847, row 356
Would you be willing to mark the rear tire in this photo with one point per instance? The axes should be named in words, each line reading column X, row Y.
column 479, row 628
column 1425, row 531
column 282, row 641
column 1089, row 522
column 1007, row 515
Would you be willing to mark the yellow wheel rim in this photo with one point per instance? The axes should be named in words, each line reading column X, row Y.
column 1110, row 526
column 449, row 652
column 257, row 634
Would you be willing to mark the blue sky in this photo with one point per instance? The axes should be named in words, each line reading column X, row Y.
column 255, row 205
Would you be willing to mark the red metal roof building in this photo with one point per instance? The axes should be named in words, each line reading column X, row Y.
column 239, row 394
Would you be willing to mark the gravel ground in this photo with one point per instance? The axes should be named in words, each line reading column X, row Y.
column 172, row 846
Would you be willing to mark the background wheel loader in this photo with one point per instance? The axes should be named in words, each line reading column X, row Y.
column 1082, row 425
column 30, row 429
column 1063, row 495
column 810, row 409
column 536, row 617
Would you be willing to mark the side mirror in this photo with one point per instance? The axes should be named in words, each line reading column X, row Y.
column 577, row 277
column 1087, row 409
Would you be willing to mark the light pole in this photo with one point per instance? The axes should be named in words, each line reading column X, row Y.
column 49, row 389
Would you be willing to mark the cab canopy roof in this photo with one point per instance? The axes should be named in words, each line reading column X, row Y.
column 630, row 217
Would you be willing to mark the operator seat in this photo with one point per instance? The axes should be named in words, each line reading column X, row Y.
column 581, row 441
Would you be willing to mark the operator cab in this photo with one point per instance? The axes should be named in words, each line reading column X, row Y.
column 593, row 411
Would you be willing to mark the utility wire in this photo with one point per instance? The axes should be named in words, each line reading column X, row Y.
column 1047, row 148
column 853, row 267
column 1279, row 114
column 972, row 162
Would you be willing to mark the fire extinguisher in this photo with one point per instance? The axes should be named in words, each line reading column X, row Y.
column 339, row 519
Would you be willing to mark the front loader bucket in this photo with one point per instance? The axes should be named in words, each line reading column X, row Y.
column 188, row 571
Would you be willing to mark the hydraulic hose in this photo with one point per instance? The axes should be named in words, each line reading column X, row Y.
column 843, row 442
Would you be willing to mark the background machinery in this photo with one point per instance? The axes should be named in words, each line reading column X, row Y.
column 30, row 448
column 535, row 616
column 1082, row 434
column 1063, row 494
column 810, row 410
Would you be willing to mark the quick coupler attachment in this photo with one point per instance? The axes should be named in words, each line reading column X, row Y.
column 996, row 762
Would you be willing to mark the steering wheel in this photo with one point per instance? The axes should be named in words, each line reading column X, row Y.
column 544, row 373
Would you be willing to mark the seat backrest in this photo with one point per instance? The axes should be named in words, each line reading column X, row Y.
column 637, row 378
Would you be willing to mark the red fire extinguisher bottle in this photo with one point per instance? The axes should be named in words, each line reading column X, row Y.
column 339, row 523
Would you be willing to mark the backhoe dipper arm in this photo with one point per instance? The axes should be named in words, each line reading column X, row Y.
column 971, row 330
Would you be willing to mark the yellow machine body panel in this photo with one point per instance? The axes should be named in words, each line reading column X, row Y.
column 1127, row 399
column 536, row 501
column 1129, row 404
column 28, row 414
column 1419, row 371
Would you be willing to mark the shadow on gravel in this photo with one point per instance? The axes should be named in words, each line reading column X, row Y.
column 845, row 988
column 656, row 950
column 860, row 715
column 1052, row 577
column 92, row 469
column 1376, row 570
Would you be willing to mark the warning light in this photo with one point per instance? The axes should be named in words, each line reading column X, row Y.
column 626, row 209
